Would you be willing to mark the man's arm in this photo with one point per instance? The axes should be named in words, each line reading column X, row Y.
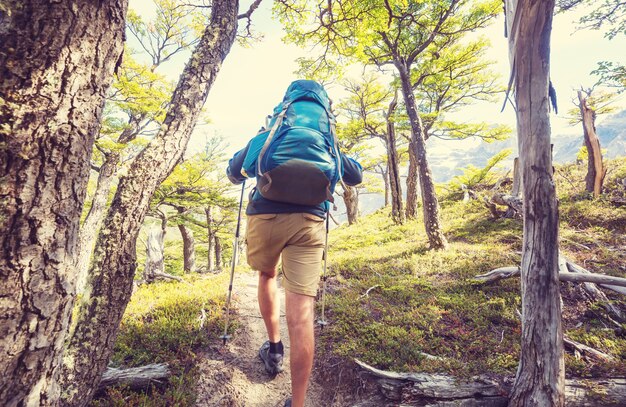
column 352, row 171
column 234, row 166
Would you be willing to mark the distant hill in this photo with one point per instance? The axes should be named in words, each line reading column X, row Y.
column 448, row 158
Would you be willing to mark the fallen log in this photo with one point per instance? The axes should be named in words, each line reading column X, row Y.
column 135, row 377
column 513, row 271
column 575, row 268
column 442, row 390
column 586, row 350
column 511, row 201
column 571, row 272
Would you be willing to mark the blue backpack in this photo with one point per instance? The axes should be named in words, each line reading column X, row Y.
column 296, row 160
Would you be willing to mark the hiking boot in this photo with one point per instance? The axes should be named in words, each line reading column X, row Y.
column 273, row 361
column 288, row 403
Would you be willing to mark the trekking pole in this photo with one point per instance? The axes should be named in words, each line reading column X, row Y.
column 226, row 337
column 322, row 321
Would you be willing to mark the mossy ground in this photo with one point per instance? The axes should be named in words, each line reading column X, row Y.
column 420, row 301
column 162, row 323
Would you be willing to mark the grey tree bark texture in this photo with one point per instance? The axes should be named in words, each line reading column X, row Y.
column 397, row 213
column 114, row 261
column 432, row 218
column 51, row 98
column 107, row 178
column 540, row 379
column 411, row 183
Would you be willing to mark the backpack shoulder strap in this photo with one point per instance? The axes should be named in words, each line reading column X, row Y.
column 268, row 140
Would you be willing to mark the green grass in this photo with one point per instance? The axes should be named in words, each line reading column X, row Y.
column 426, row 301
column 162, row 324
column 419, row 301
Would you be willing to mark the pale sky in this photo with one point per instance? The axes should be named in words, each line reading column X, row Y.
column 252, row 80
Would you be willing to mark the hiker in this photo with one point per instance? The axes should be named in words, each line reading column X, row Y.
column 297, row 164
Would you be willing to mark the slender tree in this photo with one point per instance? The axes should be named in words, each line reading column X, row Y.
column 540, row 377
column 112, row 270
column 370, row 110
column 396, row 33
column 445, row 81
column 590, row 104
column 51, row 96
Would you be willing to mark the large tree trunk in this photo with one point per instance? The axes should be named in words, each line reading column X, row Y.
column 430, row 203
column 211, row 239
column 351, row 200
column 113, row 267
column 189, row 246
column 541, row 374
column 411, row 183
column 51, row 97
column 595, row 169
column 397, row 214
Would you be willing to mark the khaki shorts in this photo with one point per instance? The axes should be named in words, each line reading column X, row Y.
column 299, row 237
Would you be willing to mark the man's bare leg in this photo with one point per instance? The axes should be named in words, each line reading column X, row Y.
column 269, row 304
column 300, row 314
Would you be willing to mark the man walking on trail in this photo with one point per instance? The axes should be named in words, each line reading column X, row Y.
column 297, row 163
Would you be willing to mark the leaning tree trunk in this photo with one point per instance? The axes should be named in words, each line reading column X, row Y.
column 595, row 169
column 51, row 97
column 351, row 200
column 411, row 183
column 432, row 221
column 90, row 227
column 397, row 214
column 107, row 176
column 540, row 377
column 114, row 262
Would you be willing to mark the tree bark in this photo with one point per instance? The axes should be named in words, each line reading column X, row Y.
column 385, row 175
column 397, row 214
column 540, row 377
column 211, row 239
column 189, row 249
column 411, row 183
column 51, row 97
column 107, row 177
column 91, row 226
column 136, row 378
column 155, row 263
column 218, row 253
column 351, row 200
column 113, row 267
column 595, row 169
column 430, row 203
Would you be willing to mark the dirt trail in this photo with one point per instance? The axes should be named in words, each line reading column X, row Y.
column 233, row 375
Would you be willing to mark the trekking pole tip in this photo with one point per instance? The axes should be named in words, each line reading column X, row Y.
column 225, row 338
column 322, row 323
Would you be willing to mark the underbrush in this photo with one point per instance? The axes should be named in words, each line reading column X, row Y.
column 168, row 322
column 393, row 303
